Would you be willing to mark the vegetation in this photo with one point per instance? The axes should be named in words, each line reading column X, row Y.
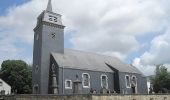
column 18, row 75
column 161, row 80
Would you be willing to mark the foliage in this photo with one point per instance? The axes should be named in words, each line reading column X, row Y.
column 18, row 75
column 161, row 80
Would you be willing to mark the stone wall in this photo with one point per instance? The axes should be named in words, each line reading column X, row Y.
column 88, row 97
column 131, row 97
column 48, row 97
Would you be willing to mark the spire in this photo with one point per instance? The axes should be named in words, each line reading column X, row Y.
column 49, row 6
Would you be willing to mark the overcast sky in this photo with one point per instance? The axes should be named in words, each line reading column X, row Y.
column 135, row 31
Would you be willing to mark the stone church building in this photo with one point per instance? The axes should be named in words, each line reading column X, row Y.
column 57, row 70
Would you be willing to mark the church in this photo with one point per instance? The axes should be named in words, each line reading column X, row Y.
column 57, row 70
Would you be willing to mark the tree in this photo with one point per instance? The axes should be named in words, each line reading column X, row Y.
column 161, row 80
column 18, row 74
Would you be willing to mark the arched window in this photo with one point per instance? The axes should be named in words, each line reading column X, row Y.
column 36, row 68
column 104, row 81
column 127, row 81
column 86, row 80
column 134, row 81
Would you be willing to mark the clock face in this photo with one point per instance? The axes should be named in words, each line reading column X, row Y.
column 53, row 35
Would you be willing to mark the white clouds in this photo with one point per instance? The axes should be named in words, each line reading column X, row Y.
column 104, row 26
column 119, row 45
column 157, row 54
column 146, row 69
column 17, row 27
column 21, row 20
column 111, row 26
column 159, row 50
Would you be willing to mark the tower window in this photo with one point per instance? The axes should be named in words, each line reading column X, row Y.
column 127, row 81
column 55, row 19
column 86, row 80
column 36, row 68
column 68, row 84
column 104, row 81
column 50, row 18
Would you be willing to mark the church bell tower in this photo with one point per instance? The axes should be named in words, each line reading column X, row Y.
column 48, row 37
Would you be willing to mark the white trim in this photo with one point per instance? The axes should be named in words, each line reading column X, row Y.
column 136, row 88
column 135, row 79
column 88, row 80
column 106, row 81
column 126, row 81
column 70, row 84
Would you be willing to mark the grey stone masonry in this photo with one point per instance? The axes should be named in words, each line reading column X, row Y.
column 48, row 37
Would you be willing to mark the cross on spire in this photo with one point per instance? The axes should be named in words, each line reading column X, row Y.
column 49, row 6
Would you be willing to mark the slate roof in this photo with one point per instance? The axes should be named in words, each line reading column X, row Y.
column 91, row 61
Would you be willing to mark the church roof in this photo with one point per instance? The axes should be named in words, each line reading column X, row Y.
column 91, row 61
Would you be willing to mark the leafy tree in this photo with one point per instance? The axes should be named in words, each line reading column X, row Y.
column 17, row 74
column 161, row 80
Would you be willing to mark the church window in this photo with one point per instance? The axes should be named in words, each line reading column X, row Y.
column 104, row 81
column 36, row 68
column 86, row 80
column 127, row 81
column 68, row 84
column 134, row 80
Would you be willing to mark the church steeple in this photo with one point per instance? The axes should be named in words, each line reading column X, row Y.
column 49, row 6
column 48, row 38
